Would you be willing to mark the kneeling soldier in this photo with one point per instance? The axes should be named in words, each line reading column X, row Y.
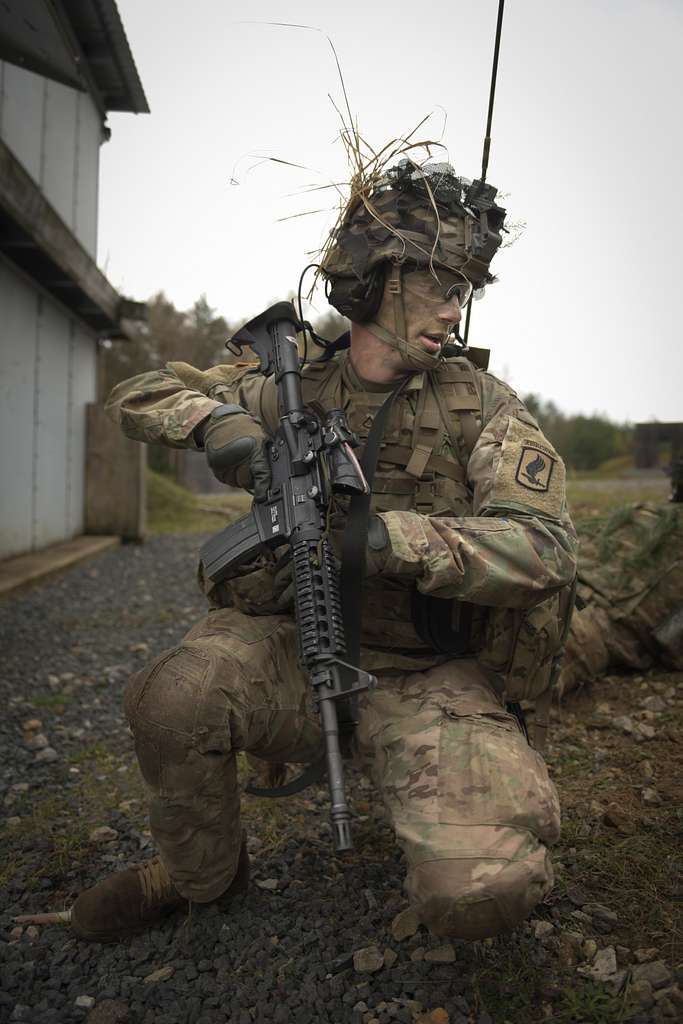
column 471, row 558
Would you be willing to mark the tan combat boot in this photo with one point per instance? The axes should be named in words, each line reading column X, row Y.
column 136, row 899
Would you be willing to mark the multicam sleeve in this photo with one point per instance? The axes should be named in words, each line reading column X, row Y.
column 164, row 406
column 519, row 547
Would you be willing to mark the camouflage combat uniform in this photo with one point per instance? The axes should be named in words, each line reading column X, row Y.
column 472, row 495
column 630, row 579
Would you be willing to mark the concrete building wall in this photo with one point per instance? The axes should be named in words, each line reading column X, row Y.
column 48, row 374
column 48, row 360
column 56, row 133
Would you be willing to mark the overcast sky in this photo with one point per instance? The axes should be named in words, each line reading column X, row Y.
column 587, row 147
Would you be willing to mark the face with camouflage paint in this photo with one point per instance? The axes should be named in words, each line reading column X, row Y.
column 431, row 308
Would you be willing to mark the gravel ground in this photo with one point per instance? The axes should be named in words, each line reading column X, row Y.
column 315, row 938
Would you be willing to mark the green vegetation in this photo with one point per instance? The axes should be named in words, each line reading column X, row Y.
column 51, row 700
column 588, row 1003
column 588, row 498
column 173, row 509
column 648, row 546
column 584, row 442
column 95, row 752
column 66, row 820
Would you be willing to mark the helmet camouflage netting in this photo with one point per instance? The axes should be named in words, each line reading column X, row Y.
column 426, row 215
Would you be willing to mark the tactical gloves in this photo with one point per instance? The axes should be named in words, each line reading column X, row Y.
column 377, row 547
column 233, row 442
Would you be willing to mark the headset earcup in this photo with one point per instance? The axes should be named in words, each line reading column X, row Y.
column 357, row 299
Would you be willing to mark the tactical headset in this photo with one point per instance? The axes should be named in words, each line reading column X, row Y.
column 356, row 298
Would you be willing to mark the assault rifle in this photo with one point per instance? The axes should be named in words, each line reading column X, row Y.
column 310, row 458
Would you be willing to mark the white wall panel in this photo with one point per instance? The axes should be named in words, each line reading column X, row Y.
column 48, row 361
column 87, row 173
column 18, row 322
column 21, row 115
column 56, row 133
column 83, row 389
column 51, row 422
column 58, row 181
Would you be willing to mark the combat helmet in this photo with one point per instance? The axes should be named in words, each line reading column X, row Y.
column 424, row 217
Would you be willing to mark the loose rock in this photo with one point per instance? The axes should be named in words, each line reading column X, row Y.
column 590, row 948
column 641, row 991
column 441, row 955
column 46, row 755
column 368, row 960
column 645, row 954
column 36, row 741
column 104, row 834
column 542, row 929
column 405, row 925
column 390, row 957
column 653, row 703
column 162, row 974
column 623, row 724
column 616, row 817
column 604, row 965
column 109, row 1011
column 657, row 973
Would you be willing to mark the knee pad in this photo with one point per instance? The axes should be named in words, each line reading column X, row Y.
column 476, row 899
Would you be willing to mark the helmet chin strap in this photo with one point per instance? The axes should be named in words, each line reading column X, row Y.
column 413, row 353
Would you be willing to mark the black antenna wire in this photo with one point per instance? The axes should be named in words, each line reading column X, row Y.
column 467, row 321
column 487, row 137
column 492, row 93
column 329, row 346
column 304, row 325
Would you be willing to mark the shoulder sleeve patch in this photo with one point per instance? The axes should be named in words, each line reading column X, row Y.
column 530, row 472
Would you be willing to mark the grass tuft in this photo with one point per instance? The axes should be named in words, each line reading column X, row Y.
column 173, row 509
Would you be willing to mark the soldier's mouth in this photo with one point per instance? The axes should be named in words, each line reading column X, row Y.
column 432, row 342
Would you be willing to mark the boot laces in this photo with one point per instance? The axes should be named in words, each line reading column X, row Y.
column 155, row 881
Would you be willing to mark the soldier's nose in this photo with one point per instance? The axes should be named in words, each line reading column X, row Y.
column 450, row 312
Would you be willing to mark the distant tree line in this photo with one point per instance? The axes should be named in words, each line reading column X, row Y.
column 196, row 336
column 584, row 442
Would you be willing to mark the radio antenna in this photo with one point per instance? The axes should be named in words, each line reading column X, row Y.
column 492, row 93
column 487, row 137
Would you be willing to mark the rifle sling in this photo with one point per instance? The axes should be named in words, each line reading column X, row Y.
column 314, row 772
column 356, row 534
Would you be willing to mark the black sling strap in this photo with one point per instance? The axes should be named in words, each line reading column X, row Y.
column 356, row 533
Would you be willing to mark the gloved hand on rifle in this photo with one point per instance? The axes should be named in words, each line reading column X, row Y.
column 234, row 444
column 377, row 547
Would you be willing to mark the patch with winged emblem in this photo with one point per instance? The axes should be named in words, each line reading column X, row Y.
column 534, row 469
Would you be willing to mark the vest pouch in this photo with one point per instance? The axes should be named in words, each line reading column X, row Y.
column 443, row 624
column 520, row 646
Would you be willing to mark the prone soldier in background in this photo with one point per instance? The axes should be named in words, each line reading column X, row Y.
column 630, row 594
column 471, row 559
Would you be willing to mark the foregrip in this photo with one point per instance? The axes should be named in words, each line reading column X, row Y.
column 318, row 602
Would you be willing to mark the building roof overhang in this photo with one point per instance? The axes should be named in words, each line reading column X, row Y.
column 37, row 241
column 81, row 43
